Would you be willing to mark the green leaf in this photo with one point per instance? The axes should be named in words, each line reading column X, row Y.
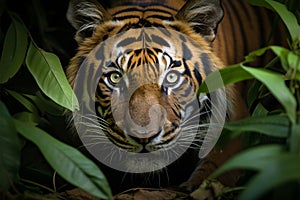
column 49, row 75
column 14, row 49
column 294, row 61
column 260, row 110
column 10, row 149
column 48, row 106
column 253, row 93
column 261, row 3
column 27, row 117
column 257, row 158
column 295, row 139
column 24, row 101
column 282, row 53
column 252, row 55
column 67, row 161
column 225, row 76
column 274, row 166
column 281, row 169
column 273, row 125
column 288, row 18
column 276, row 84
column 287, row 57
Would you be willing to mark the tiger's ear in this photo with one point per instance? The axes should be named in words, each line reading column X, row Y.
column 85, row 16
column 203, row 16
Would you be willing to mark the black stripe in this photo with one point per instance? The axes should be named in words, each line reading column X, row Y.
column 176, row 111
column 175, row 27
column 234, row 44
column 167, row 134
column 147, row 4
column 197, row 74
column 129, row 62
column 187, row 54
column 158, row 25
column 159, row 40
column 131, row 9
column 176, row 63
column 79, row 83
column 262, row 28
column 165, row 32
column 188, row 91
column 206, row 63
column 100, row 93
column 90, row 76
column 125, row 17
column 146, row 38
column 117, row 140
column 99, row 55
column 152, row 52
column 123, row 30
column 126, row 42
column 160, row 17
column 187, row 69
column 182, row 38
column 158, row 10
column 241, row 26
column 245, row 10
column 98, row 73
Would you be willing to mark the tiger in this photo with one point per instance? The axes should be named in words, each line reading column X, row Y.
column 137, row 74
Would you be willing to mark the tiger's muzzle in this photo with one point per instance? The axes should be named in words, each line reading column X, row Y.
column 145, row 114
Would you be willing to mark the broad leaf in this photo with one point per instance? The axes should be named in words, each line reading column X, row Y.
column 27, row 117
column 273, row 125
column 282, row 53
column 252, row 159
column 24, row 101
column 295, row 139
column 294, row 61
column 273, row 81
column 288, row 18
column 48, row 106
column 14, row 49
column 281, row 169
column 49, row 75
column 260, row 110
column 67, row 161
column 10, row 149
column 274, row 167
column 253, row 93
column 252, row 55
column 225, row 76
column 276, row 84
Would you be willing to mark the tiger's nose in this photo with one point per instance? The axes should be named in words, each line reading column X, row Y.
column 146, row 106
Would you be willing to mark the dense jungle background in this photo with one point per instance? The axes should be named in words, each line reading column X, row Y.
column 36, row 157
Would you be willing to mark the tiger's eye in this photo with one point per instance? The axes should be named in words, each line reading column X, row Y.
column 172, row 77
column 115, row 77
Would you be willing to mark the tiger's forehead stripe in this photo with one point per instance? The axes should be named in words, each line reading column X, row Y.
column 126, row 12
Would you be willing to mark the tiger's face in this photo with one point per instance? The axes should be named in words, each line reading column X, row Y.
column 138, row 70
column 145, row 93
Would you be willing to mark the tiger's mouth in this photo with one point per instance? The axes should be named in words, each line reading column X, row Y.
column 140, row 141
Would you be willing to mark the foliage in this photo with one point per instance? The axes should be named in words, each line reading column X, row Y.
column 26, row 113
column 271, row 134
